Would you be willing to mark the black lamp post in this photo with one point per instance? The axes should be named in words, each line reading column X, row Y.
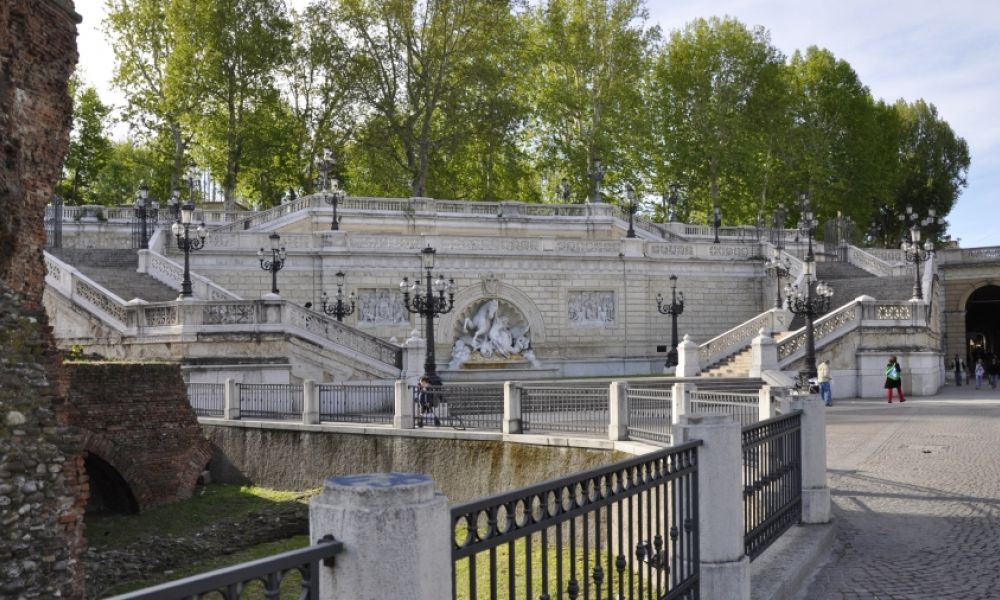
column 182, row 231
column 563, row 191
column 339, row 308
column 777, row 268
column 674, row 309
column 809, row 303
column 716, row 221
column 672, row 200
column 597, row 176
column 174, row 204
column 275, row 262
column 912, row 250
column 429, row 306
column 330, row 186
column 145, row 210
column 633, row 206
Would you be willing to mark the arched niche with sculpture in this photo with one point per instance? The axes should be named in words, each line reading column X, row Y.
column 491, row 333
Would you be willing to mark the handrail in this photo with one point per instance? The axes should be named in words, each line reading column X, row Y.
column 736, row 339
column 170, row 273
column 73, row 284
column 874, row 264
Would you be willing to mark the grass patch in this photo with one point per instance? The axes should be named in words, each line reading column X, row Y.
column 209, row 505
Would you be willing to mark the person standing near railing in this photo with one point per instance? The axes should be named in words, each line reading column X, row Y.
column 893, row 380
column 425, row 400
column 823, row 378
column 980, row 371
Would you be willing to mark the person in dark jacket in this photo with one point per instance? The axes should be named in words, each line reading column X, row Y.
column 893, row 380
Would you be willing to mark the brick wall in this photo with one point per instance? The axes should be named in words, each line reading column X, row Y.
column 137, row 418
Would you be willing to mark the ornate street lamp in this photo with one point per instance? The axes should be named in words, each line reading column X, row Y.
column 672, row 201
column 426, row 304
column 563, row 191
column 330, row 186
column 145, row 210
column 674, row 309
column 174, row 204
column 778, row 227
column 339, row 308
column 275, row 262
column 633, row 206
column 716, row 221
column 912, row 250
column 182, row 231
column 777, row 268
column 597, row 176
column 193, row 182
column 809, row 303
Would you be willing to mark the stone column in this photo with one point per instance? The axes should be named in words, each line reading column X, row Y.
column 414, row 353
column 765, row 410
column 687, row 358
column 511, row 407
column 680, row 402
column 231, row 407
column 310, row 402
column 618, row 411
column 763, row 354
column 396, row 531
column 725, row 567
column 815, row 493
column 403, row 415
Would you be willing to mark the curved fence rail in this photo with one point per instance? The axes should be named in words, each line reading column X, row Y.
column 207, row 399
column 572, row 409
column 356, row 403
column 744, row 408
column 772, row 480
column 270, row 400
column 470, row 406
column 650, row 414
column 628, row 530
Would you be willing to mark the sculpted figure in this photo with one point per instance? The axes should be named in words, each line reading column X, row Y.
column 482, row 321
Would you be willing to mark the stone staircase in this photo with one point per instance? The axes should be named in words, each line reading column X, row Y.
column 116, row 270
column 849, row 282
column 738, row 365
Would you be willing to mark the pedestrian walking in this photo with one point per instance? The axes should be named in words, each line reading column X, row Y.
column 993, row 370
column 893, row 380
column 980, row 371
column 823, row 378
column 425, row 400
column 959, row 366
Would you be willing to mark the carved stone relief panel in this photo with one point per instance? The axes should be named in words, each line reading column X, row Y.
column 381, row 306
column 591, row 308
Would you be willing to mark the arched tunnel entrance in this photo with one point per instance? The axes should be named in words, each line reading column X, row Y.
column 109, row 493
column 982, row 323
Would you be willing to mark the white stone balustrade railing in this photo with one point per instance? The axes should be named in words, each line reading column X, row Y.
column 170, row 273
column 100, row 301
column 126, row 214
column 874, row 264
column 738, row 338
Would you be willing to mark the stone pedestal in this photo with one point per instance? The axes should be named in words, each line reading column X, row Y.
column 687, row 358
column 815, row 493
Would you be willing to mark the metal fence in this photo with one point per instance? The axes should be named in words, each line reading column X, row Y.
column 470, row 406
column 357, row 403
column 270, row 400
column 565, row 408
column 650, row 414
column 207, row 399
column 745, row 408
column 628, row 530
column 273, row 576
column 772, row 480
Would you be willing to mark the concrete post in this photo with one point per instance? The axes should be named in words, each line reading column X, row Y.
column 815, row 493
column 618, row 411
column 763, row 354
column 687, row 358
column 765, row 408
column 511, row 407
column 402, row 417
column 680, row 402
column 310, row 402
column 725, row 567
column 413, row 357
column 231, row 406
column 416, row 548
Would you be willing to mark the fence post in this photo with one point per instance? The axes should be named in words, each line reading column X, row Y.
column 763, row 354
column 618, row 411
column 687, row 358
column 815, row 493
column 310, row 402
column 725, row 567
column 415, row 350
column 511, row 407
column 231, row 406
column 765, row 409
column 403, row 414
column 680, row 402
column 417, row 547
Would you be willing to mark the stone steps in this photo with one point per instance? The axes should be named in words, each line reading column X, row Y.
column 116, row 271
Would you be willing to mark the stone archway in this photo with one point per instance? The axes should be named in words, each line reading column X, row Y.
column 107, row 490
column 982, row 323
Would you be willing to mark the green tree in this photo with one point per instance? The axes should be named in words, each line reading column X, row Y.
column 127, row 166
column 89, row 145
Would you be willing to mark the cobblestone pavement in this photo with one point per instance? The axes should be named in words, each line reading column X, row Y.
column 916, row 493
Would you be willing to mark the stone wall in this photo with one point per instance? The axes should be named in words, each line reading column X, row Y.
column 136, row 417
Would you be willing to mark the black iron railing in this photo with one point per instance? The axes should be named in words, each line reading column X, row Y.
column 470, row 406
column 568, row 408
column 266, row 574
column 649, row 414
column 628, row 530
column 207, row 399
column 270, row 401
column 357, row 403
column 772, row 480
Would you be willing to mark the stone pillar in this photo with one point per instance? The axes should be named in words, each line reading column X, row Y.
column 765, row 408
column 403, row 415
column 387, row 522
column 231, row 408
column 415, row 350
column 815, row 493
column 725, row 567
column 618, row 411
column 511, row 407
column 680, row 402
column 687, row 358
column 763, row 354
column 310, row 402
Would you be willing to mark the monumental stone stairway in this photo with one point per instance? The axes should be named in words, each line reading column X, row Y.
column 849, row 282
column 116, row 270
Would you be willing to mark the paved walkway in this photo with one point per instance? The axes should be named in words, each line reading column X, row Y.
column 916, row 493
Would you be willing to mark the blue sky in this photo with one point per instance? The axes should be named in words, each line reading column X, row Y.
column 947, row 53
